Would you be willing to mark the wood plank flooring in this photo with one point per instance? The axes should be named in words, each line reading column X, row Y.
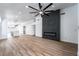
column 35, row 46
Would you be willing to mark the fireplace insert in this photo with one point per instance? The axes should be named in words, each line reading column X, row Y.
column 50, row 35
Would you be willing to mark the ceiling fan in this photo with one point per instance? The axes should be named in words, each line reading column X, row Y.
column 41, row 11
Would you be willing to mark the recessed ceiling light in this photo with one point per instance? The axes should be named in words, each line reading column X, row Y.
column 26, row 6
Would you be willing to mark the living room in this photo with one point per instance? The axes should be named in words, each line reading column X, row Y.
column 54, row 24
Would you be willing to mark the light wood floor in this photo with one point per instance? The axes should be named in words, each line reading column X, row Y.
column 34, row 46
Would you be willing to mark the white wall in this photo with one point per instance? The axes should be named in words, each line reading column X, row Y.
column 20, row 28
column 69, row 25
column 39, row 26
column 0, row 28
column 4, row 28
column 78, row 29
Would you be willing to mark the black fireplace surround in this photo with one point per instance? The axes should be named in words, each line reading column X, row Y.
column 51, row 25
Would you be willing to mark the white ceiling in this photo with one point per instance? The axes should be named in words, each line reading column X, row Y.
column 17, row 12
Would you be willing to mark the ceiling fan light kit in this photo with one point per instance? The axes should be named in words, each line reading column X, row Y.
column 41, row 12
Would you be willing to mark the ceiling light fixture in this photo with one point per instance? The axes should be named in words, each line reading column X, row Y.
column 41, row 12
column 27, row 6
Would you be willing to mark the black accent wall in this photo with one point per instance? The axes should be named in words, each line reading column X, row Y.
column 51, row 25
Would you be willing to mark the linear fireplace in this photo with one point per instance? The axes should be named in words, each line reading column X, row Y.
column 50, row 35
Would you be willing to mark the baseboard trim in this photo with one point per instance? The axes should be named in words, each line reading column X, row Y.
column 68, row 42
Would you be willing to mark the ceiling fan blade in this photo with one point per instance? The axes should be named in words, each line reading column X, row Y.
column 49, row 11
column 32, row 12
column 48, row 6
column 40, row 6
column 33, row 8
column 62, row 13
column 46, row 14
column 36, row 14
